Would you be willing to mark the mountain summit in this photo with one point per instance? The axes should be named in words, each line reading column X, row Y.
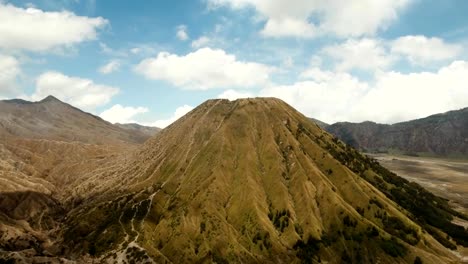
column 255, row 181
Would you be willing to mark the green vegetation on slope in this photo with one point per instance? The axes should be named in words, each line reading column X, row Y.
column 426, row 209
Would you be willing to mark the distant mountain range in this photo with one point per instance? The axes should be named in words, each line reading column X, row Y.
column 437, row 135
column 133, row 127
column 53, row 119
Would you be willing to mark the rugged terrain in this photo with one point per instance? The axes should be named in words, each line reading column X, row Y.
column 46, row 148
column 250, row 181
column 437, row 135
column 55, row 120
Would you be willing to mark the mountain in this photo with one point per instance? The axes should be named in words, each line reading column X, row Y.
column 253, row 181
column 437, row 135
column 321, row 124
column 52, row 119
column 46, row 150
column 147, row 130
column 47, row 145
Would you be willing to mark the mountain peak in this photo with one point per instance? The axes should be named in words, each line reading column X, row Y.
column 50, row 98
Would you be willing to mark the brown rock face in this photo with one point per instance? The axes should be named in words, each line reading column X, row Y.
column 440, row 135
column 46, row 148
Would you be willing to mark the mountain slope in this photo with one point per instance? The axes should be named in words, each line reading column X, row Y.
column 442, row 135
column 46, row 150
column 147, row 130
column 321, row 124
column 54, row 120
column 255, row 181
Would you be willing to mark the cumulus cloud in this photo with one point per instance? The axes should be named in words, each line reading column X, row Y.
column 204, row 69
column 200, row 42
column 391, row 97
column 288, row 27
column 397, row 96
column 179, row 112
column 9, row 72
column 36, row 30
column 79, row 92
column 422, row 50
column 233, row 95
column 342, row 18
column 323, row 95
column 122, row 114
column 181, row 33
column 110, row 67
column 364, row 54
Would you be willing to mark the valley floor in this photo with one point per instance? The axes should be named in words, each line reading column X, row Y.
column 444, row 177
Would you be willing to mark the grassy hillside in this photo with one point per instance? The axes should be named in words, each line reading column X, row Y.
column 255, row 181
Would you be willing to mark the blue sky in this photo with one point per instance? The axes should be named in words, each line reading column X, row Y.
column 152, row 61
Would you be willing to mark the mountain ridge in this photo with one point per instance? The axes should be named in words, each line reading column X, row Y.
column 51, row 118
column 444, row 134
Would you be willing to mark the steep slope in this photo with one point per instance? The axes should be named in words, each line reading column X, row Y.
column 55, row 120
column 442, row 135
column 255, row 181
column 46, row 150
column 321, row 124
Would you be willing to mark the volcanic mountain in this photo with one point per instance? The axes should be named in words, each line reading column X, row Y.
column 437, row 135
column 253, row 181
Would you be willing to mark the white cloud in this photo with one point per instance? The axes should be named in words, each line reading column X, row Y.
column 364, row 54
column 204, row 69
column 200, row 42
column 422, row 50
column 343, row 18
column 182, row 33
column 36, row 30
column 179, row 112
column 79, row 92
column 143, row 49
column 318, row 75
column 398, row 97
column 135, row 50
column 288, row 27
column 9, row 72
column 233, row 95
column 110, row 67
column 328, row 96
column 392, row 97
column 122, row 114
column 360, row 17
